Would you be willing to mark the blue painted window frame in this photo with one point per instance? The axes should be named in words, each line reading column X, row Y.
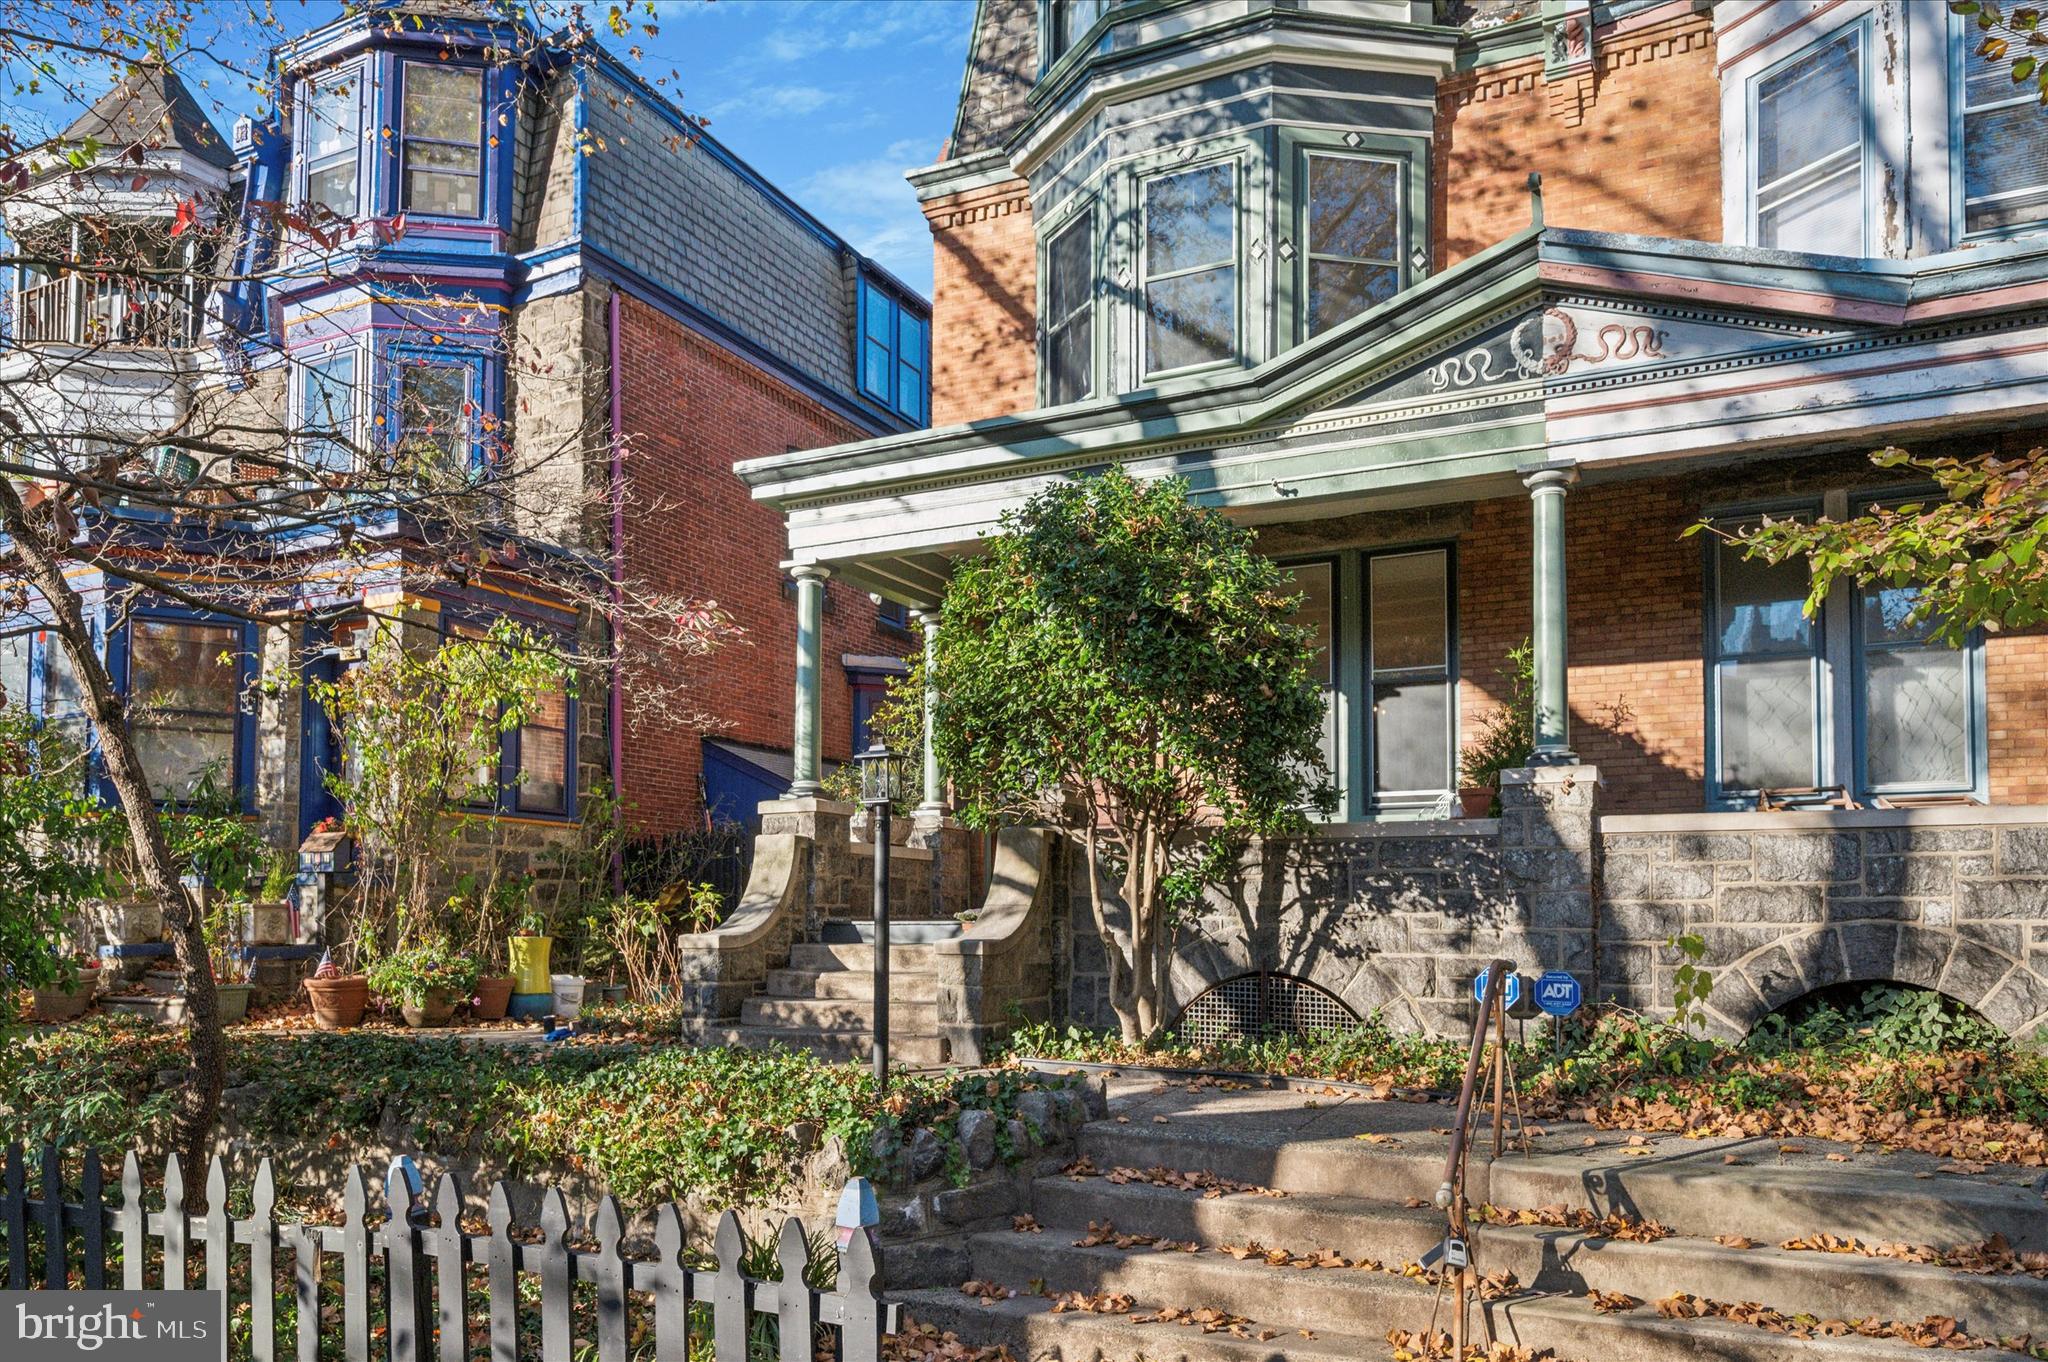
column 1962, row 34
column 876, row 303
column 486, row 189
column 506, row 804
column 1860, row 28
column 305, row 366
column 247, row 645
column 357, row 73
column 482, row 390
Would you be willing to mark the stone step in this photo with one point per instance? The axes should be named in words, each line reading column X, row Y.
column 1332, row 1304
column 1028, row 1327
column 902, row 932
column 1827, row 1285
column 846, row 983
column 907, row 1017
column 1687, row 1191
column 854, row 1046
column 826, row 956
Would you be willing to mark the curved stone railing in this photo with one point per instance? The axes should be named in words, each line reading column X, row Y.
column 722, row 966
column 1000, row 968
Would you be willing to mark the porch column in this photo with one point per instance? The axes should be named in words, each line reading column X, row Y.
column 810, row 644
column 1553, row 712
column 934, row 779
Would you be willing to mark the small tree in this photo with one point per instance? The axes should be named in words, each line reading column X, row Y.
column 1973, row 551
column 54, row 842
column 1125, row 662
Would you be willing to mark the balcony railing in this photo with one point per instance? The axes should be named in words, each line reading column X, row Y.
column 79, row 309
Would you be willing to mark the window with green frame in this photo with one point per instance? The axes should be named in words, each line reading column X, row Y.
column 1188, row 253
column 1069, row 317
column 1354, row 233
column 1853, row 696
column 894, row 356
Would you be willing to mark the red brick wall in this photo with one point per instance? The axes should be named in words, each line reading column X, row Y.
column 692, row 410
column 984, row 304
column 1643, row 156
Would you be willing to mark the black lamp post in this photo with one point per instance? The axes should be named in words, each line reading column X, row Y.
column 881, row 781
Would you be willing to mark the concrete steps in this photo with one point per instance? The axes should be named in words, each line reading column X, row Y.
column 823, row 1001
column 1352, row 1196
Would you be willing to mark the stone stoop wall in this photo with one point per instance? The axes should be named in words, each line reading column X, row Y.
column 1948, row 899
column 1390, row 917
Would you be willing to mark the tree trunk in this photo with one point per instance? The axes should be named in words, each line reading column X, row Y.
column 199, row 1101
column 1113, row 951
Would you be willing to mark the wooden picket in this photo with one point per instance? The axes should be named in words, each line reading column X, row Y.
column 416, row 1238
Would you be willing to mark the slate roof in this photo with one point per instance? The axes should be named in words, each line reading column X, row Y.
column 1002, row 65
column 152, row 106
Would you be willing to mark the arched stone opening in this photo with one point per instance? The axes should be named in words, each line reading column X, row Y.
column 1261, row 1005
column 1856, row 1005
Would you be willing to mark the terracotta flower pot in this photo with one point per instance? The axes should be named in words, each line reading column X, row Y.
column 436, row 1009
column 1475, row 801
column 493, row 996
column 338, row 1003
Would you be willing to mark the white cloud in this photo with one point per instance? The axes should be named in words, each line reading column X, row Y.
column 777, row 101
column 874, row 207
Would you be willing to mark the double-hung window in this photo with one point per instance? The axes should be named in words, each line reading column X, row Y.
column 184, row 701
column 1354, row 219
column 1808, row 135
column 1189, row 257
column 894, row 345
column 327, row 412
column 2004, row 170
column 333, row 131
column 441, row 140
column 1070, row 313
column 1317, row 583
column 436, row 410
column 1857, row 695
column 541, row 755
column 1409, row 670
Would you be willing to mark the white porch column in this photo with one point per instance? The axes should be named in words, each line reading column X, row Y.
column 810, row 644
column 1553, row 703
column 934, row 779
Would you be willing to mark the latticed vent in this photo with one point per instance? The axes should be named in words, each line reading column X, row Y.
column 1262, row 1007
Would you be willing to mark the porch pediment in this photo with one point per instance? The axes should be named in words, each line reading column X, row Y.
column 1555, row 345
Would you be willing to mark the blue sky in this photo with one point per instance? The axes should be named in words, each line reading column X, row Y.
column 831, row 99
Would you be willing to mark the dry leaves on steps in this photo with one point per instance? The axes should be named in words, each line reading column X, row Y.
column 1935, row 1331
column 1416, row 1346
column 1991, row 1258
column 988, row 1293
column 1026, row 1224
column 1611, row 1226
column 1611, row 1302
column 1198, row 1180
column 1209, row 1320
column 928, row 1343
column 1101, row 1303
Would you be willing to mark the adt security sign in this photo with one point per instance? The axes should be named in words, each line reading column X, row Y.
column 1511, row 992
column 1559, row 993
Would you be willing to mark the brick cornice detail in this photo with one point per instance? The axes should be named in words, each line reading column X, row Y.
column 1682, row 32
column 978, row 205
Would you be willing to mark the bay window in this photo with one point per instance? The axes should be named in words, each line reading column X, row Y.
column 333, row 138
column 327, row 412
column 184, row 701
column 441, row 140
column 436, row 406
column 1808, row 133
column 2004, row 161
column 1354, row 236
column 1070, row 313
column 1188, row 256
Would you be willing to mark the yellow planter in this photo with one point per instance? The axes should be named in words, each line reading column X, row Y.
column 529, row 959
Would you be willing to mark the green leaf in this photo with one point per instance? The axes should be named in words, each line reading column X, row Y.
column 2022, row 70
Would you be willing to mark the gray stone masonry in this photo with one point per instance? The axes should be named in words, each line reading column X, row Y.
column 1785, row 903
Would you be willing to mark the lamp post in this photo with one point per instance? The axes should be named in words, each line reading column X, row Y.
column 881, row 780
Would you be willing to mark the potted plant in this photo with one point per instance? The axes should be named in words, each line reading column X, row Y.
column 426, row 981
column 230, row 966
column 338, row 999
column 68, row 998
column 527, row 951
column 481, row 912
column 270, row 917
column 1506, row 736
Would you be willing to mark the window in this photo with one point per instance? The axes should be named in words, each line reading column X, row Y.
column 184, row 701
column 541, row 755
column 333, row 142
column 1807, row 178
column 1318, row 611
column 442, row 143
column 2005, row 157
column 435, row 405
column 327, row 412
column 1408, row 660
column 17, row 663
column 1190, row 267
column 1852, row 696
column 1070, row 314
column 1766, row 672
column 1070, row 20
column 893, row 346
column 893, row 614
column 1354, row 234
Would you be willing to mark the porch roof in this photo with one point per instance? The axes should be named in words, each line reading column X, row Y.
column 1619, row 354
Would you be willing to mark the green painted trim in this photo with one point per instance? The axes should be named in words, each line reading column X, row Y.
column 1518, row 41
column 1290, row 301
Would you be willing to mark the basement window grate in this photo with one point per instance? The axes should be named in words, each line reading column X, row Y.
column 1262, row 1007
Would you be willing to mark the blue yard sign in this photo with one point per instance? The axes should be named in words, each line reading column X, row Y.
column 1511, row 992
column 1559, row 993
